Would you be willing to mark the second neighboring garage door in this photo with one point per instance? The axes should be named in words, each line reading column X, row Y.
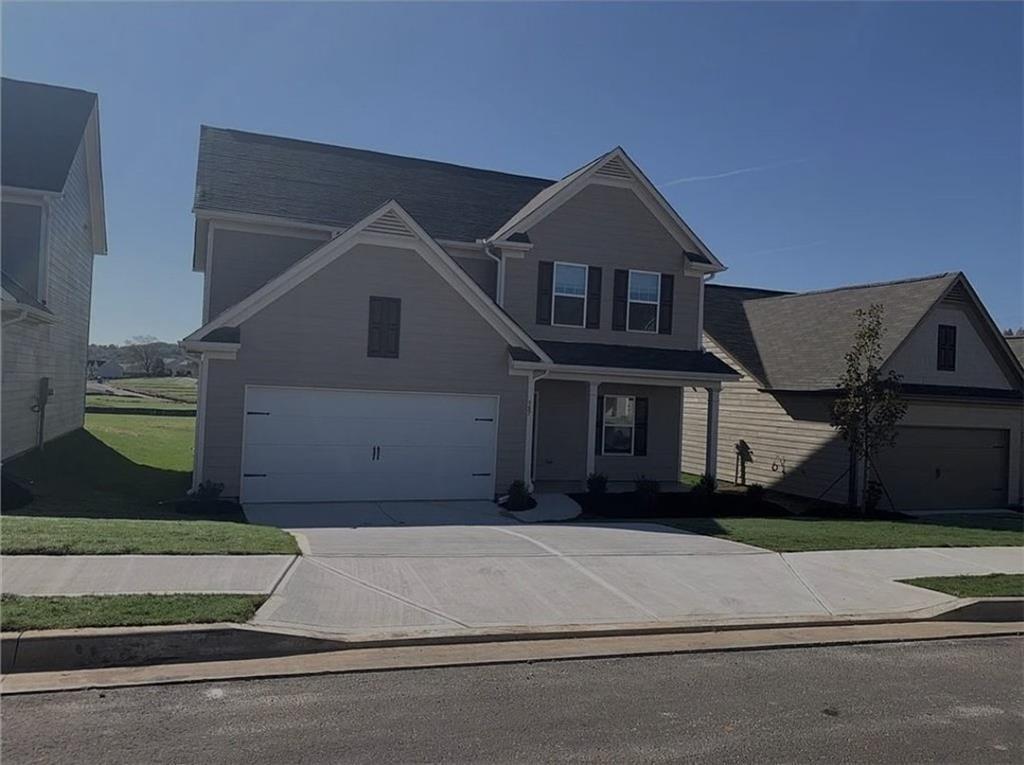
column 317, row 445
column 946, row 468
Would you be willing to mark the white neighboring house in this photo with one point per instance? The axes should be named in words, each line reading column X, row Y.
column 104, row 369
column 53, row 223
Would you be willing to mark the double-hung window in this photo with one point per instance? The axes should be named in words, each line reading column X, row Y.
column 24, row 260
column 644, row 298
column 618, row 424
column 569, row 296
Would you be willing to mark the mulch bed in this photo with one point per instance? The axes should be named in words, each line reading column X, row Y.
column 677, row 505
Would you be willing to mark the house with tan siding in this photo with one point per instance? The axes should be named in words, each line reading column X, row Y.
column 379, row 327
column 960, row 443
column 53, row 224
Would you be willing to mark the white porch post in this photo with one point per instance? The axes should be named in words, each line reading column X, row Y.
column 531, row 382
column 711, row 452
column 591, row 426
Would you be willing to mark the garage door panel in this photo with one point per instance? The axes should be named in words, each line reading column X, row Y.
column 334, row 445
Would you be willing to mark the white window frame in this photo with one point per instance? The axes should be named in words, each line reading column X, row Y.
column 656, row 303
column 631, row 426
column 43, row 204
column 554, row 292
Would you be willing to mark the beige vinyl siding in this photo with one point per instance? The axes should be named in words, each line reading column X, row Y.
column 243, row 261
column 564, row 425
column 610, row 227
column 58, row 350
column 795, row 448
column 315, row 335
column 976, row 364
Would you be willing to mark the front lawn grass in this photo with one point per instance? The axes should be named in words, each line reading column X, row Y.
column 988, row 586
column 806, row 534
column 136, row 402
column 173, row 388
column 111, row 489
column 18, row 612
column 20, row 535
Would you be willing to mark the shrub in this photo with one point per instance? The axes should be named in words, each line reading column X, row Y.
column 518, row 496
column 755, row 492
column 706, row 486
column 597, row 483
column 647, row 491
column 873, row 496
column 207, row 490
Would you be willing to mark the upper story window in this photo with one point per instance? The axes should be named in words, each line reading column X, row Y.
column 569, row 296
column 946, row 358
column 21, row 248
column 644, row 299
column 385, row 327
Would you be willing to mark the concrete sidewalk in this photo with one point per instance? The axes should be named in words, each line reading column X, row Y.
column 128, row 574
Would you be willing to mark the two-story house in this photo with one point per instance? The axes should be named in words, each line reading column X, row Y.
column 961, row 442
column 53, row 224
column 378, row 327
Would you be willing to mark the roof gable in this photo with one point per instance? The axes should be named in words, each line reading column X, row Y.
column 798, row 341
column 336, row 186
column 617, row 169
column 390, row 226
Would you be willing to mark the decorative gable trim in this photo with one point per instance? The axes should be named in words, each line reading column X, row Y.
column 390, row 226
column 616, row 169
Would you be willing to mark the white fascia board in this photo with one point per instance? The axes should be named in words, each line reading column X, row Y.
column 612, row 374
column 94, row 176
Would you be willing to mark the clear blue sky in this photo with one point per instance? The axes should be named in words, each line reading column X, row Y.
column 820, row 144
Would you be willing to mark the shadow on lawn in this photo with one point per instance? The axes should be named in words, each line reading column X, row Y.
column 79, row 476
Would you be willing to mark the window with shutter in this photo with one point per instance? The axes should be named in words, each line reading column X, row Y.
column 384, row 328
column 946, row 358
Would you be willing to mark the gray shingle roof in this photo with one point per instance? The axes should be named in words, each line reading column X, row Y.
column 222, row 335
column 797, row 341
column 41, row 128
column 634, row 357
column 1017, row 346
column 338, row 186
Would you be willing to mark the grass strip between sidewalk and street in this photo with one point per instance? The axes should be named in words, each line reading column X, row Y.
column 21, row 535
column 985, row 586
column 19, row 612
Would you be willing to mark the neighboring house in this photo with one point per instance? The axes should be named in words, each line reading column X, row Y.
column 53, row 223
column 959, row 445
column 1017, row 346
column 382, row 327
column 106, row 369
column 179, row 367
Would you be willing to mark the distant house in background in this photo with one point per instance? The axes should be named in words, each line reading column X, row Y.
column 178, row 367
column 53, row 223
column 960, row 444
column 106, row 369
column 1017, row 346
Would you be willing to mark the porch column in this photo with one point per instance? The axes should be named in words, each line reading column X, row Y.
column 531, row 384
column 591, row 426
column 711, row 452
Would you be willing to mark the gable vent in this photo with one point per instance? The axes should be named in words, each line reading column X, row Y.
column 389, row 223
column 957, row 295
column 614, row 168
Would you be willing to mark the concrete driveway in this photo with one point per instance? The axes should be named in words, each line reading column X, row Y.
column 416, row 567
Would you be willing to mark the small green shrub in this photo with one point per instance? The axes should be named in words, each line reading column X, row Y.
column 518, row 496
column 597, row 483
column 706, row 486
column 647, row 491
column 873, row 496
column 755, row 492
column 207, row 490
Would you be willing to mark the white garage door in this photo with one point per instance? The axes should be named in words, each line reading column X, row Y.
column 316, row 445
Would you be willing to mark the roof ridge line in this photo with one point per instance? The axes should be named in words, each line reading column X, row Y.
column 339, row 147
column 867, row 285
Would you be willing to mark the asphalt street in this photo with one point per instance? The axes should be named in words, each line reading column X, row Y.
column 946, row 701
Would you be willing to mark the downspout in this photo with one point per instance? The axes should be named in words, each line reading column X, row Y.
column 499, row 287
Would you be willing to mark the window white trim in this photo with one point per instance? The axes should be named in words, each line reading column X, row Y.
column 656, row 303
column 554, row 292
column 631, row 426
column 41, row 201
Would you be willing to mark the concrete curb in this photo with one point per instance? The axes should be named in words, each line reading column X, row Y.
column 67, row 650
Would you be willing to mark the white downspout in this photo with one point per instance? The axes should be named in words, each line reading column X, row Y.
column 499, row 287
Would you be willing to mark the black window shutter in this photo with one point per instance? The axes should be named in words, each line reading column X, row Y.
column 665, row 309
column 593, row 297
column 545, row 277
column 620, row 299
column 947, row 348
column 640, row 427
column 599, row 441
column 392, row 327
column 384, row 327
column 375, row 334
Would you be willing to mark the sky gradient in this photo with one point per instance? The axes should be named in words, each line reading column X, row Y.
column 809, row 145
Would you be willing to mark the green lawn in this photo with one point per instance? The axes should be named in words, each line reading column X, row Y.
column 988, row 586
column 111, row 487
column 803, row 534
column 174, row 388
column 38, row 613
column 133, row 402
